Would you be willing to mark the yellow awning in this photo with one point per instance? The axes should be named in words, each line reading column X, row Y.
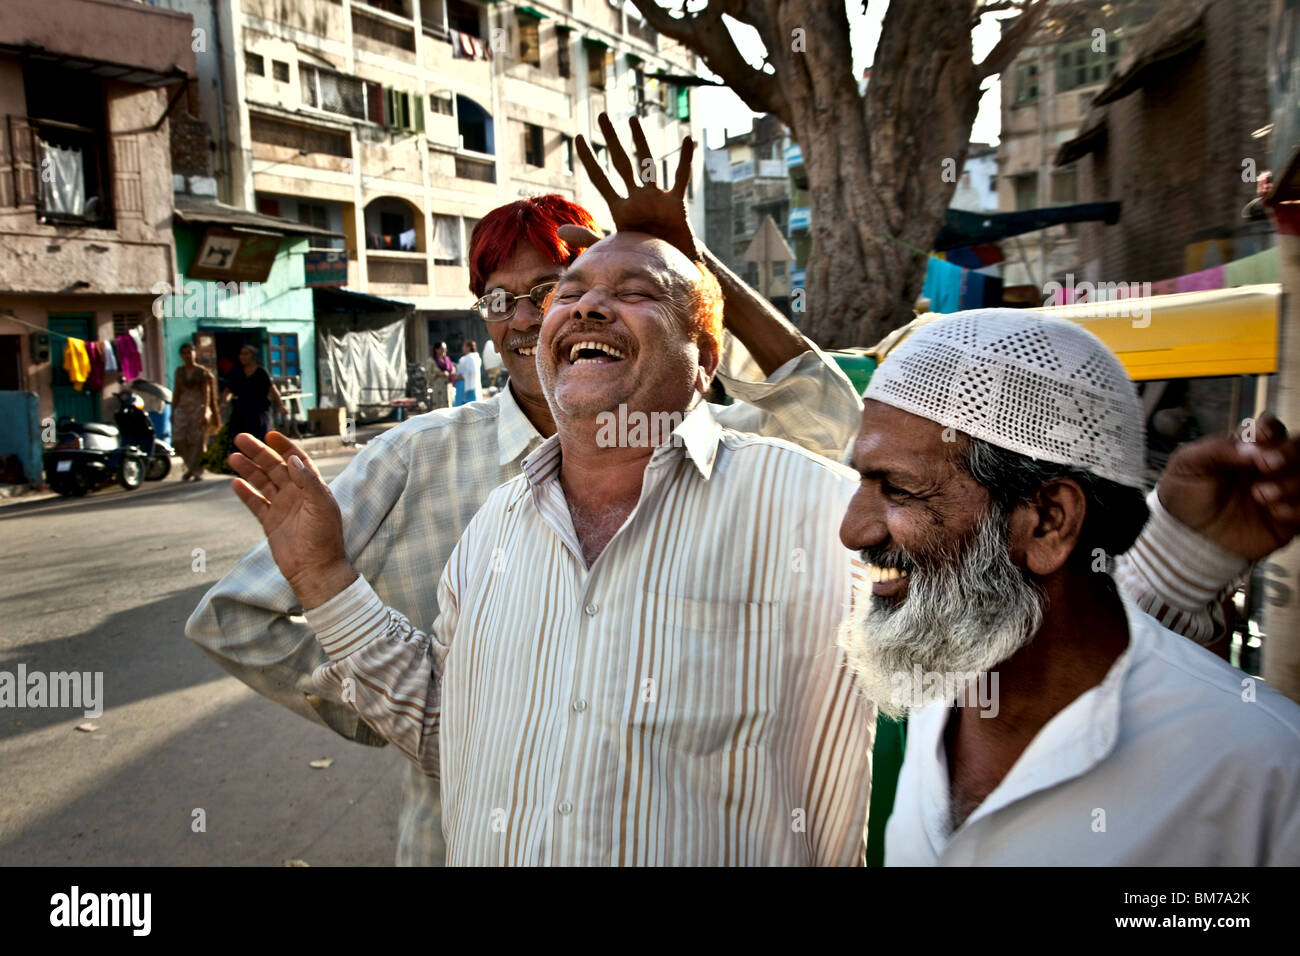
column 1190, row 334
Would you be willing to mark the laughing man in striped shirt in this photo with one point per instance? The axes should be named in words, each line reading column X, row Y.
column 633, row 663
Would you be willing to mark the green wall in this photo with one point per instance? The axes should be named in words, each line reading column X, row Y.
column 282, row 303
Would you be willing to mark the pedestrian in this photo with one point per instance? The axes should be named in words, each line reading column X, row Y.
column 195, row 415
column 1054, row 722
column 409, row 494
column 469, row 371
column 439, row 371
column 250, row 387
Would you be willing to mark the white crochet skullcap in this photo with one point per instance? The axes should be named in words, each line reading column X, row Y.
column 1040, row 386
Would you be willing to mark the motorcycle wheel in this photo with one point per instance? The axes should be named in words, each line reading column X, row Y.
column 159, row 467
column 75, row 486
column 130, row 473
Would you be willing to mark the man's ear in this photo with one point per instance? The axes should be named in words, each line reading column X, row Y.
column 1046, row 529
column 708, row 364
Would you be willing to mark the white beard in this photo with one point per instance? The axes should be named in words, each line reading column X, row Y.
column 963, row 617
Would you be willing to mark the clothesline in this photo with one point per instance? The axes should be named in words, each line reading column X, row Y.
column 88, row 361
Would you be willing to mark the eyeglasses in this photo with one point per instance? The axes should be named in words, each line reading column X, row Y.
column 499, row 305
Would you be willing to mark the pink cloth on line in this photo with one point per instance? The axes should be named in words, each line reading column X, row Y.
column 128, row 358
column 1201, row 281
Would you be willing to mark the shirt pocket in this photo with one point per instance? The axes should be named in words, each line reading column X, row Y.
column 720, row 668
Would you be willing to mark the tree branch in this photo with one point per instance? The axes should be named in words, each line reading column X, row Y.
column 707, row 34
column 1013, row 41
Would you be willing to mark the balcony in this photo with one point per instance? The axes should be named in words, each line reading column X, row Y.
column 478, row 170
column 401, row 273
column 383, row 33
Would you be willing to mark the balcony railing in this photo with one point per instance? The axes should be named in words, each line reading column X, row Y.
column 383, row 27
column 483, row 171
column 396, row 268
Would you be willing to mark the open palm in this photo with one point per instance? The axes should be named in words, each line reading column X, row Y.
column 297, row 512
column 646, row 208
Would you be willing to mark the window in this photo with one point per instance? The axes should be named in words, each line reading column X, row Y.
column 638, row 86
column 1026, row 83
column 533, row 150
column 254, row 64
column 562, row 64
column 284, row 354
column 446, row 241
column 566, row 154
column 683, row 103
column 1026, row 191
column 597, row 56
column 313, row 214
column 1078, row 64
column 335, row 92
column 124, row 322
column 530, row 46
column 464, row 17
column 441, row 103
column 778, row 270
column 60, row 149
column 1063, row 186
column 403, row 111
column 474, row 125
column 280, row 70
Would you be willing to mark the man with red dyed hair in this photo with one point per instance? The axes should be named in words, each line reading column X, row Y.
column 408, row 495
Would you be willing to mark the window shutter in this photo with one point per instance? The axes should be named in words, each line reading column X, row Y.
column 419, row 113
column 405, row 103
column 375, row 103
column 390, row 103
column 22, row 145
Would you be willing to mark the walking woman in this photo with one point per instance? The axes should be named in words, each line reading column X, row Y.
column 254, row 395
column 195, row 416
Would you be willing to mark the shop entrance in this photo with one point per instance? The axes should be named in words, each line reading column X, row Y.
column 79, row 404
column 228, row 342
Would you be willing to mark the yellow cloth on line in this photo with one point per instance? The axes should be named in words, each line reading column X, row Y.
column 76, row 362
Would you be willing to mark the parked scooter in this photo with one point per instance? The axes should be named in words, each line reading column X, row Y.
column 89, row 455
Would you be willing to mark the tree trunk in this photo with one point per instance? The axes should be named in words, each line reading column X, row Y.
column 876, row 169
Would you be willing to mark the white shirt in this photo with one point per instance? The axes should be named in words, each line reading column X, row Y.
column 1168, row 762
column 406, row 498
column 469, row 367
column 680, row 702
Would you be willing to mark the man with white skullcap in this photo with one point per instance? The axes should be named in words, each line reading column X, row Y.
column 1053, row 721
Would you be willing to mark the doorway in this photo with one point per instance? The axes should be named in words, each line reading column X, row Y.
column 79, row 404
column 228, row 343
column 11, row 363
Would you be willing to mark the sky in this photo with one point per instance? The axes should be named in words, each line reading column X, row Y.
column 722, row 111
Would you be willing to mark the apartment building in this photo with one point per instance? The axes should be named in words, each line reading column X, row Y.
column 1046, row 93
column 748, row 180
column 397, row 124
column 85, row 191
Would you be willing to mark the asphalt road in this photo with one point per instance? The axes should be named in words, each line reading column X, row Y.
column 105, row 583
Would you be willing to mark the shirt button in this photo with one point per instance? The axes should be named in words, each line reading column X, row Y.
column 591, row 609
column 579, row 705
column 565, row 807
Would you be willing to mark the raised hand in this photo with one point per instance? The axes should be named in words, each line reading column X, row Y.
column 1244, row 496
column 646, row 208
column 283, row 489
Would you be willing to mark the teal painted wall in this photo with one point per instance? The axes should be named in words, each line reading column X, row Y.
column 280, row 304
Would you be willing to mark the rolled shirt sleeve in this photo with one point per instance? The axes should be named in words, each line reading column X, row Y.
column 1180, row 577
column 808, row 400
column 384, row 667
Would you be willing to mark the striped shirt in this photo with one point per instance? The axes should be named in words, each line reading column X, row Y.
column 406, row 498
column 681, row 701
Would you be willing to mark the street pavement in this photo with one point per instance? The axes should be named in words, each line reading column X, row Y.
column 105, row 583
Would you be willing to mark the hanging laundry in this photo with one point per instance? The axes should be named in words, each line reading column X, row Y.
column 1164, row 287
column 943, row 283
column 1202, row 281
column 129, row 357
column 76, row 362
column 137, row 336
column 110, row 357
column 1252, row 270
column 95, row 378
